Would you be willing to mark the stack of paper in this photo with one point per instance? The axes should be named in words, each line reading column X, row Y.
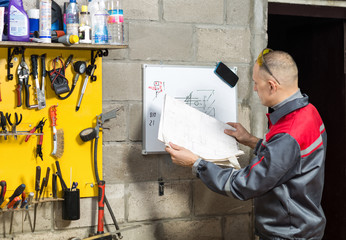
column 201, row 134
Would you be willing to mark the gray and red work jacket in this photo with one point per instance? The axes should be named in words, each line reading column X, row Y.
column 286, row 177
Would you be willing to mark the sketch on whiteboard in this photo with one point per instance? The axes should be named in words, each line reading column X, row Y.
column 203, row 100
column 158, row 87
column 197, row 86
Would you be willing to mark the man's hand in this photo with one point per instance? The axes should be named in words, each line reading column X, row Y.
column 242, row 136
column 181, row 156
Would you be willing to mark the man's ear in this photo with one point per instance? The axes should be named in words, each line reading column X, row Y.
column 273, row 86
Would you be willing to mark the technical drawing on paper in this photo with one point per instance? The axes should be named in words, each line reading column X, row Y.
column 203, row 100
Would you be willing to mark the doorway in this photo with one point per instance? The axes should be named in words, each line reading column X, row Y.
column 315, row 38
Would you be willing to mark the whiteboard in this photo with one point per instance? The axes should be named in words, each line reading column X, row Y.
column 197, row 86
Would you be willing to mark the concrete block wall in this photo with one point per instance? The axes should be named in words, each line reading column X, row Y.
column 183, row 32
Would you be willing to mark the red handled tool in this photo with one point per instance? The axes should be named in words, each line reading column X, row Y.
column 39, row 129
column 101, row 205
column 11, row 203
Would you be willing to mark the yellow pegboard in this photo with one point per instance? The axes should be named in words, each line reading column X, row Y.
column 18, row 158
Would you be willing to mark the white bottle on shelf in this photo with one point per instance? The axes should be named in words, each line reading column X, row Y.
column 84, row 25
column 115, row 22
column 99, row 24
column 72, row 18
column 45, row 21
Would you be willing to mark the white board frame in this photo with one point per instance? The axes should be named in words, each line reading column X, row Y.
column 202, row 88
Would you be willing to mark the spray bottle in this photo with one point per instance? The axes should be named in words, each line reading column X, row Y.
column 18, row 22
column 45, row 20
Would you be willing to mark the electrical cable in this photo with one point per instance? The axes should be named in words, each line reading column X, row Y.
column 105, row 198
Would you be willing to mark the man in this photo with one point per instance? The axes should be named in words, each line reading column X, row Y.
column 286, row 177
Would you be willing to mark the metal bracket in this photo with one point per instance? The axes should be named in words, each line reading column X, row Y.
column 10, row 55
column 99, row 53
column 161, row 186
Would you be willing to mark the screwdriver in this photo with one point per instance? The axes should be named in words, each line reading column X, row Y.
column 24, row 201
column 11, row 204
column 37, row 189
column 17, row 192
column 46, row 182
column 6, row 201
column 3, row 191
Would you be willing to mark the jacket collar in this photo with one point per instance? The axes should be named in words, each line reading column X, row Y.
column 287, row 108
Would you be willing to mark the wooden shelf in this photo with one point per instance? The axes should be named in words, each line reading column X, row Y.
column 61, row 46
column 18, row 209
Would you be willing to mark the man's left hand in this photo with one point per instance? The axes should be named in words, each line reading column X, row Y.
column 181, row 156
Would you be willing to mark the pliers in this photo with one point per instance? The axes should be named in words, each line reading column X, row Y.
column 23, row 78
column 14, row 124
column 39, row 128
column 3, row 124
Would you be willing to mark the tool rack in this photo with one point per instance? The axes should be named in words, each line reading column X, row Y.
column 18, row 157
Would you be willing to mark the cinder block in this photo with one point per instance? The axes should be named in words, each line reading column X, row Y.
column 147, row 231
column 117, row 54
column 123, row 162
column 21, row 220
column 157, row 41
column 207, row 202
column 193, row 11
column 135, row 121
column 244, row 85
column 89, row 209
column 56, row 235
column 141, row 9
column 116, row 128
column 244, row 114
column 239, row 227
column 224, row 44
column 144, row 202
column 121, row 81
column 169, row 170
column 197, row 229
column 239, row 12
column 193, row 230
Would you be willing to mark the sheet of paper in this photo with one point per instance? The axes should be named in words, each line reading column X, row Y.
column 203, row 135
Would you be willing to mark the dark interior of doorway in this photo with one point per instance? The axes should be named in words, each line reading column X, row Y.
column 317, row 45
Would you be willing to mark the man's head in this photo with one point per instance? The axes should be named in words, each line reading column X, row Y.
column 275, row 76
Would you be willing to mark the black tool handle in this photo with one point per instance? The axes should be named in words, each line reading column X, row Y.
column 42, row 186
column 37, row 179
column 34, row 65
column 63, row 185
column 54, row 186
column 17, row 192
column 47, row 176
column 27, row 98
column 3, row 191
column 68, row 61
column 43, row 63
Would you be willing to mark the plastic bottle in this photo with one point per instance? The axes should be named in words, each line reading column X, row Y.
column 64, row 16
column 84, row 26
column 68, row 39
column 72, row 18
column 99, row 25
column 115, row 22
column 34, row 21
column 45, row 20
column 93, row 6
column 18, row 22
